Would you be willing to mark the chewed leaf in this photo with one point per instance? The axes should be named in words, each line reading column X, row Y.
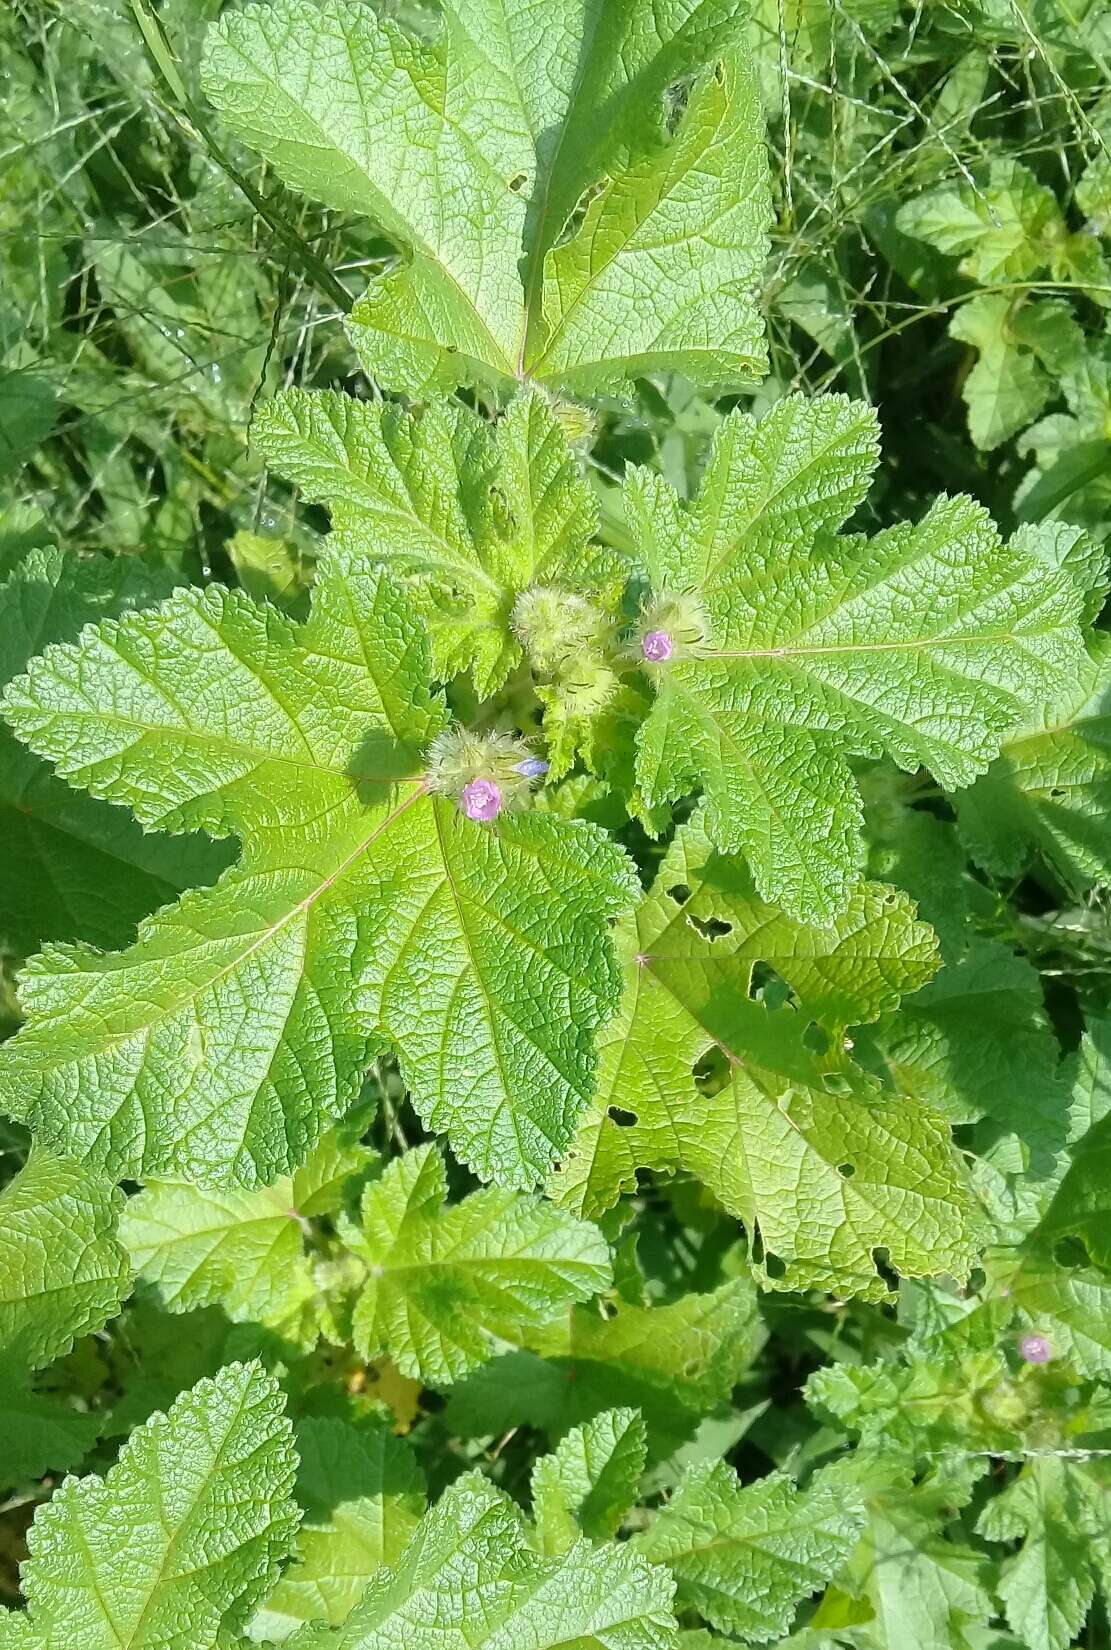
column 804, row 1148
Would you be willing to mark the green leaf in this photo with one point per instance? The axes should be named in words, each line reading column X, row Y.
column 1082, row 1207
column 179, row 1540
column 1022, row 349
column 583, row 207
column 363, row 1495
column 63, row 1272
column 364, row 912
column 470, row 514
column 442, row 1282
column 928, row 643
column 1060, row 1512
column 1049, row 792
column 71, row 865
column 674, row 1363
column 1008, row 228
column 977, row 1041
column 244, row 1251
column 468, row 1580
column 38, row 1434
column 914, row 1582
column 590, row 1482
column 744, row 1558
column 817, row 1161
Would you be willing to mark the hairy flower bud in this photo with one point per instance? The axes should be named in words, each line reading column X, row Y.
column 555, row 627
column 482, row 774
column 672, row 627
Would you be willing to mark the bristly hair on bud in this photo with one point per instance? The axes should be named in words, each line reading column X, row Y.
column 483, row 774
column 671, row 627
column 556, row 627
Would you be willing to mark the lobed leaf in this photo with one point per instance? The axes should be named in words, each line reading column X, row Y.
column 744, row 1558
column 820, row 1164
column 72, row 866
column 363, row 1495
column 180, row 1539
column 469, row 1581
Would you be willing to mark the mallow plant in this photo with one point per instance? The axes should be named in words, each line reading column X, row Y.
column 464, row 1019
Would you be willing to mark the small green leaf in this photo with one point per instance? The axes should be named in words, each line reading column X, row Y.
column 442, row 1282
column 470, row 514
column 468, row 1580
column 1060, row 1512
column 674, row 1363
column 363, row 1495
column 1049, row 792
column 73, row 867
column 744, row 1558
column 590, row 1482
column 63, row 1272
column 244, row 1251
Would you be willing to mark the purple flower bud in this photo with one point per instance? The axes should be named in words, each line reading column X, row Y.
column 1035, row 1349
column 657, row 646
column 481, row 799
column 533, row 767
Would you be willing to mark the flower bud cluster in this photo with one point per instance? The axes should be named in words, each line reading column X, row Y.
column 567, row 640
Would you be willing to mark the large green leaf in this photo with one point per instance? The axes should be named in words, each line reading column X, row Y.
column 579, row 204
column 364, row 912
column 929, row 643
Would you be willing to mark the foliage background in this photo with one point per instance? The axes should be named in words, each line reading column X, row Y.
column 148, row 304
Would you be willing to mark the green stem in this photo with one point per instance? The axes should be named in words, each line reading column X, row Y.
column 162, row 55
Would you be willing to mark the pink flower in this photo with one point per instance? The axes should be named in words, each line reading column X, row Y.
column 657, row 646
column 481, row 799
column 1035, row 1349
